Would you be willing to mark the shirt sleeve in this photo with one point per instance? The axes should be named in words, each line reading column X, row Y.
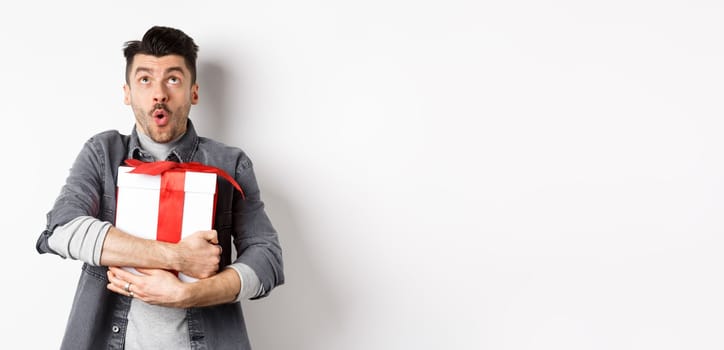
column 256, row 239
column 80, row 239
column 251, row 286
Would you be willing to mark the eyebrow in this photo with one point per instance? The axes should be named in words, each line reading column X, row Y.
column 168, row 70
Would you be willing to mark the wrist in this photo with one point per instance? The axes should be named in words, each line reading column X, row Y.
column 187, row 296
column 172, row 258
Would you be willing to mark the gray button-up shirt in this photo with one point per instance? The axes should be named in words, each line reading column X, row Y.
column 98, row 316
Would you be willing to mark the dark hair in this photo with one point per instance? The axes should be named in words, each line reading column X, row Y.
column 161, row 41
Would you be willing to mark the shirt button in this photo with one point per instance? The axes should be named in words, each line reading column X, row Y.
column 115, row 329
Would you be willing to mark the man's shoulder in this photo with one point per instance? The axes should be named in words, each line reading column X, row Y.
column 109, row 136
column 215, row 149
column 110, row 142
column 218, row 145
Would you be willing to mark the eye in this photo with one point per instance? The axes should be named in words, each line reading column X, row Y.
column 144, row 80
column 174, row 80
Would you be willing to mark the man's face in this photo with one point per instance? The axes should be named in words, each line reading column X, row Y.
column 161, row 94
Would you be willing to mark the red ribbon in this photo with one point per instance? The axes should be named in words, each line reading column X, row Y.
column 160, row 167
column 171, row 206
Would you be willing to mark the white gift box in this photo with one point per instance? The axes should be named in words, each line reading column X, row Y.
column 166, row 207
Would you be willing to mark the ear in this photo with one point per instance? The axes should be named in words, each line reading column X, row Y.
column 126, row 94
column 195, row 94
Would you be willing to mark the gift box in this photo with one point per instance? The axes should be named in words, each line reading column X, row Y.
column 166, row 207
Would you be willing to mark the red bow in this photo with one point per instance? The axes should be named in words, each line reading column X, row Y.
column 160, row 167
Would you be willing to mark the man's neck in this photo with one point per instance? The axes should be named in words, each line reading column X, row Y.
column 159, row 151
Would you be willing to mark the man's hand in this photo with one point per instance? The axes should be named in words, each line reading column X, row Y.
column 154, row 286
column 199, row 254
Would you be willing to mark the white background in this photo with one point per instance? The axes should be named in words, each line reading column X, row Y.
column 443, row 174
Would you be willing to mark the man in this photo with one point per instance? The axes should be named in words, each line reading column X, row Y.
column 117, row 309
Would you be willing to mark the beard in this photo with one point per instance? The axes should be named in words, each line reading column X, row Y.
column 156, row 129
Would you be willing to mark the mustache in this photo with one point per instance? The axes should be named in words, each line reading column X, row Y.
column 161, row 106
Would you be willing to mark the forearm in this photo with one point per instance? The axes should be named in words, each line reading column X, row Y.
column 122, row 249
column 219, row 289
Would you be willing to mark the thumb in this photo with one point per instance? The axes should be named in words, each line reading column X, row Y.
column 211, row 236
column 144, row 271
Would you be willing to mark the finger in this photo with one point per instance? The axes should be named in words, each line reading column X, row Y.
column 144, row 271
column 122, row 278
column 114, row 279
column 211, row 236
column 118, row 285
column 149, row 272
column 123, row 274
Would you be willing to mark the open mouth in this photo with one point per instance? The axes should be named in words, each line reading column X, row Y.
column 160, row 115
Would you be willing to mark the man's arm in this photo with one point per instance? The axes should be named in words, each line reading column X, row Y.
column 197, row 255
column 161, row 287
column 98, row 242
column 256, row 239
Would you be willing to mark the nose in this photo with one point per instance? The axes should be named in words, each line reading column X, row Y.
column 159, row 94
